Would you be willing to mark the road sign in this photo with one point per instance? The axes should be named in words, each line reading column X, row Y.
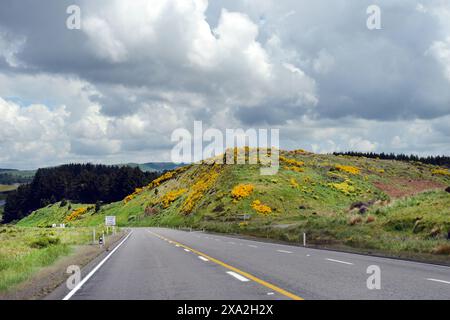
column 110, row 220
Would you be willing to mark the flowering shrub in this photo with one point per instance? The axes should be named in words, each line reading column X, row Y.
column 344, row 187
column 292, row 168
column 167, row 176
column 171, row 196
column 199, row 188
column 242, row 191
column 294, row 183
column 348, row 169
column 292, row 162
column 261, row 208
column 76, row 214
column 133, row 195
column 443, row 172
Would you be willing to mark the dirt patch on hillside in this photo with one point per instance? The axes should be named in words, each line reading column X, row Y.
column 398, row 188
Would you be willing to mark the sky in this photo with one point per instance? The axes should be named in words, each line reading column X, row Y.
column 114, row 90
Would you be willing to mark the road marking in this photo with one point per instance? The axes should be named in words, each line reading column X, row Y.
column 90, row 274
column 437, row 280
column 231, row 242
column 187, row 250
column 203, row 258
column 284, row 251
column 339, row 261
column 177, row 246
column 238, row 271
column 238, row 276
column 308, row 255
column 252, row 246
column 270, row 293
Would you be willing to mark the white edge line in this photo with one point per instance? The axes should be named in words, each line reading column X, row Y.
column 252, row 246
column 284, row 251
column 90, row 274
column 187, row 250
column 203, row 258
column 339, row 261
column 237, row 276
column 437, row 280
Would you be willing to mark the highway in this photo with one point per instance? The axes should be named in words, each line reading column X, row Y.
column 158, row 263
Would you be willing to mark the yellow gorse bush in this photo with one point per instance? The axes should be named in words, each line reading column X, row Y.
column 199, row 188
column 171, row 196
column 292, row 162
column 443, row 172
column 345, row 187
column 261, row 208
column 133, row 195
column 294, row 183
column 348, row 169
column 242, row 191
column 75, row 214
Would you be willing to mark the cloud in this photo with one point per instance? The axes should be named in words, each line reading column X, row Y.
column 117, row 88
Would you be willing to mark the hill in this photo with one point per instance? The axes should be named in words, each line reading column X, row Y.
column 153, row 166
column 340, row 201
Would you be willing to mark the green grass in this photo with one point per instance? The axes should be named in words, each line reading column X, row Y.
column 24, row 251
column 8, row 187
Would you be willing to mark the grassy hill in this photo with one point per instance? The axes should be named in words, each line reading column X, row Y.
column 339, row 201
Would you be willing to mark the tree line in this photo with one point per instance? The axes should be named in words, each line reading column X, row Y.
column 85, row 183
column 443, row 161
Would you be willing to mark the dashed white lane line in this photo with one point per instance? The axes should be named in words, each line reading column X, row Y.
column 238, row 276
column 437, row 280
column 187, row 250
column 252, row 246
column 270, row 293
column 177, row 246
column 284, row 251
column 339, row 261
column 231, row 242
column 203, row 258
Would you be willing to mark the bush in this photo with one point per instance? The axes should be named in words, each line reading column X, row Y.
column 44, row 241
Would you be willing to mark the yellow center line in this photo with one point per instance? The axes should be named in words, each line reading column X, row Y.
column 243, row 273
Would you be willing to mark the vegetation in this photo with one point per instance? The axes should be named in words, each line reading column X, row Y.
column 77, row 182
column 24, row 251
column 369, row 204
column 443, row 161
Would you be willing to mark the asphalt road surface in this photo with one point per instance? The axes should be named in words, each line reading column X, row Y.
column 157, row 263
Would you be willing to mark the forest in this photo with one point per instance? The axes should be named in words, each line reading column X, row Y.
column 86, row 183
column 443, row 161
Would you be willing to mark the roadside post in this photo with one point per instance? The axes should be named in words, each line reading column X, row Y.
column 304, row 239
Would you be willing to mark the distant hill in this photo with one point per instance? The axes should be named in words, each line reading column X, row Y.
column 154, row 166
column 348, row 201
column 13, row 176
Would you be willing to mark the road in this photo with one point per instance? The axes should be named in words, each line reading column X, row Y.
column 157, row 263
